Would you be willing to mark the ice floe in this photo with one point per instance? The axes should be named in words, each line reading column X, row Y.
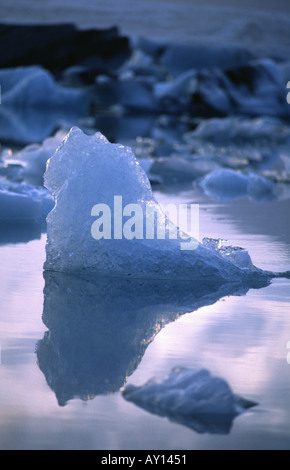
column 226, row 185
column 193, row 398
column 20, row 202
column 252, row 89
column 242, row 130
column 29, row 164
column 34, row 105
column 92, row 70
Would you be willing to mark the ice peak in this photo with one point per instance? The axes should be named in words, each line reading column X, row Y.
column 90, row 177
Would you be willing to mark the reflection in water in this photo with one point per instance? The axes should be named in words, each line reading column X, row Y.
column 99, row 329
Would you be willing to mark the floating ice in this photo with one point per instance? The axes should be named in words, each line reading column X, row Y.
column 195, row 399
column 33, row 104
column 236, row 254
column 130, row 93
column 32, row 158
column 241, row 130
column 88, row 170
column 256, row 88
column 178, row 58
column 21, row 202
column 178, row 169
column 35, row 87
column 181, row 79
column 226, row 185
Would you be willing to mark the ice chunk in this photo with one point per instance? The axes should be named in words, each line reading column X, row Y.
column 241, row 130
column 130, row 93
column 239, row 256
column 178, row 169
column 178, row 58
column 256, row 88
column 22, row 125
column 23, row 202
column 18, row 207
column 226, row 185
column 88, row 170
column 33, row 158
column 34, row 105
column 260, row 188
column 195, row 399
column 35, row 87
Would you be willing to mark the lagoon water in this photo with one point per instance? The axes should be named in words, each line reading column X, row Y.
column 240, row 338
column 61, row 377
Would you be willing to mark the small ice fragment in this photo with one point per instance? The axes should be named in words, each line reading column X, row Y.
column 226, row 184
column 194, row 398
column 33, row 158
column 21, row 202
column 237, row 255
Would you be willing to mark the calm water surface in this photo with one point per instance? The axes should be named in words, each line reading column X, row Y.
column 242, row 338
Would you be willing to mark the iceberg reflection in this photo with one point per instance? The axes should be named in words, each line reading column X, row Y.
column 99, row 329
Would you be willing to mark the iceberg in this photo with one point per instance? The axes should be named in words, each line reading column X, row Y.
column 193, row 398
column 85, row 176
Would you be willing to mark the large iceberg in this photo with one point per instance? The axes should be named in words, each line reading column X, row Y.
column 195, row 399
column 97, row 185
